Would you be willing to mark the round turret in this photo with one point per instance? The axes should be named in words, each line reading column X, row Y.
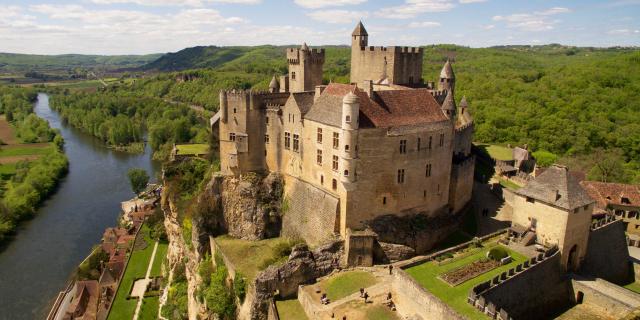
column 350, row 111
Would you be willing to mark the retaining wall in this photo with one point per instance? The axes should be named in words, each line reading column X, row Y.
column 607, row 253
column 605, row 296
column 412, row 299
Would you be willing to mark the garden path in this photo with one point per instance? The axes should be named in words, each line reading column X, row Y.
column 142, row 287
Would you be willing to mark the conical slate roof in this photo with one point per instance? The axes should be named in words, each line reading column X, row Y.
column 359, row 30
column 274, row 83
column 449, row 103
column 463, row 102
column 447, row 71
column 555, row 186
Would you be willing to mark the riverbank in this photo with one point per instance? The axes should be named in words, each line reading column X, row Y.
column 36, row 264
column 31, row 164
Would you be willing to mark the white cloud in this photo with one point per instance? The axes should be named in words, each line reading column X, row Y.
column 488, row 27
column 186, row 3
column 316, row 4
column 471, row 1
column 536, row 21
column 424, row 24
column 337, row 16
column 412, row 8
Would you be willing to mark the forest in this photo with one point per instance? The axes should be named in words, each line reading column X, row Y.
column 26, row 183
column 578, row 105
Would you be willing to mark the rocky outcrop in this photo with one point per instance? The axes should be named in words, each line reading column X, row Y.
column 418, row 231
column 251, row 205
column 303, row 267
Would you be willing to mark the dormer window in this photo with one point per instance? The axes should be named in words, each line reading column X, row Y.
column 625, row 200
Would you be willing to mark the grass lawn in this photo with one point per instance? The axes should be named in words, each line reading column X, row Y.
column 426, row 274
column 346, row 283
column 290, row 310
column 633, row 286
column 192, row 149
column 161, row 252
column 136, row 268
column 246, row 256
column 26, row 149
column 497, row 152
column 149, row 309
column 509, row 184
column 7, row 169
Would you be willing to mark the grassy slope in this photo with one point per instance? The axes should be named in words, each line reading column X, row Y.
column 22, row 62
column 238, row 250
column 192, row 149
column 290, row 310
column 347, row 283
column 426, row 274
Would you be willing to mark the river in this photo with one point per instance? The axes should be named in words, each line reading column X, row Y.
column 36, row 265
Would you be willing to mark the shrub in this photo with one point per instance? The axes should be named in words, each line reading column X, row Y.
column 497, row 253
column 240, row 286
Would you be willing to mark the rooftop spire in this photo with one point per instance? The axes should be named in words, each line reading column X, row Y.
column 463, row 102
column 274, row 86
column 447, row 71
column 449, row 104
column 359, row 30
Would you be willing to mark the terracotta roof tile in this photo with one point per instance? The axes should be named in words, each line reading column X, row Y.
column 606, row 193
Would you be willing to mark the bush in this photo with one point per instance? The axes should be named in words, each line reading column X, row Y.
column 497, row 253
column 240, row 286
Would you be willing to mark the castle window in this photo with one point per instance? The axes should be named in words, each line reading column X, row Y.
column 319, row 135
column 346, row 173
column 442, row 139
column 347, row 119
column 424, row 193
column 427, row 172
column 266, row 120
column 625, row 200
column 346, row 147
column 403, row 146
column 321, row 179
column 232, row 136
column 384, row 200
column 289, row 117
column 319, row 157
column 336, row 140
column 287, row 140
column 419, row 141
column 293, row 75
column 531, row 200
column 334, row 164
column 430, row 141
column 334, row 184
column 234, row 110
column 400, row 175
column 296, row 143
column 266, row 138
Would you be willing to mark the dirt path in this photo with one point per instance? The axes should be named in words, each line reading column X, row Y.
column 141, row 285
column 7, row 134
column 14, row 159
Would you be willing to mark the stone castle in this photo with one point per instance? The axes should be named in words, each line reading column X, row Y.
column 387, row 144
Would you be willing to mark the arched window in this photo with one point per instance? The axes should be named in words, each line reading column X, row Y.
column 346, row 147
column 346, row 173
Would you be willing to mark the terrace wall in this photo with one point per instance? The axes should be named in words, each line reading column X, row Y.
column 607, row 254
column 412, row 299
column 605, row 296
column 532, row 290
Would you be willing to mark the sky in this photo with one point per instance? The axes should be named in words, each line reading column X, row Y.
column 158, row 26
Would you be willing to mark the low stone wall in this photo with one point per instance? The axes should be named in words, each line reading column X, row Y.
column 422, row 259
column 412, row 299
column 273, row 311
column 531, row 290
column 605, row 296
column 607, row 253
column 216, row 250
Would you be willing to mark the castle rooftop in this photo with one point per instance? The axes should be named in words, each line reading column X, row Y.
column 606, row 193
column 359, row 30
column 387, row 108
column 447, row 71
column 557, row 187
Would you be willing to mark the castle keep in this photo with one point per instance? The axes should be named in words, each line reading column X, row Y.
column 385, row 144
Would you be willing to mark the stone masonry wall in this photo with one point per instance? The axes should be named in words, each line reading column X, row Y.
column 607, row 255
column 412, row 299
column 311, row 213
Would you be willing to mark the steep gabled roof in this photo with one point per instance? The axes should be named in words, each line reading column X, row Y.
column 388, row 108
column 447, row 71
column 449, row 103
column 303, row 100
column 606, row 193
column 359, row 30
column 555, row 186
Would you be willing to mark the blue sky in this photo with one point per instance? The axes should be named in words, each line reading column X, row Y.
column 149, row 26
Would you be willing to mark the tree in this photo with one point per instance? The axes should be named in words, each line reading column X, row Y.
column 138, row 179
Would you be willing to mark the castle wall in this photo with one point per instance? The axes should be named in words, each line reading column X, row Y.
column 607, row 255
column 378, row 191
column 412, row 299
column 311, row 213
column 608, row 298
column 403, row 65
column 461, row 185
column 533, row 293
column 463, row 140
column 305, row 69
column 555, row 226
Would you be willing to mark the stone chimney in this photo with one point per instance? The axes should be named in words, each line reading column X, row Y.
column 367, row 87
column 319, row 90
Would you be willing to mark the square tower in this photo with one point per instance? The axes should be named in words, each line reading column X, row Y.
column 305, row 68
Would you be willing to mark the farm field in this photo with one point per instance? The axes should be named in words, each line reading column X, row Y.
column 12, row 151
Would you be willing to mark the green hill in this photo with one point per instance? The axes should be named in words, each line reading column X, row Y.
column 20, row 63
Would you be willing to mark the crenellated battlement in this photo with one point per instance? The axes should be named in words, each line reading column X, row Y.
column 464, row 127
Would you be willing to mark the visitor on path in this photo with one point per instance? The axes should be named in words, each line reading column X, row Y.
column 389, row 296
column 361, row 292
column 390, row 269
column 366, row 296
